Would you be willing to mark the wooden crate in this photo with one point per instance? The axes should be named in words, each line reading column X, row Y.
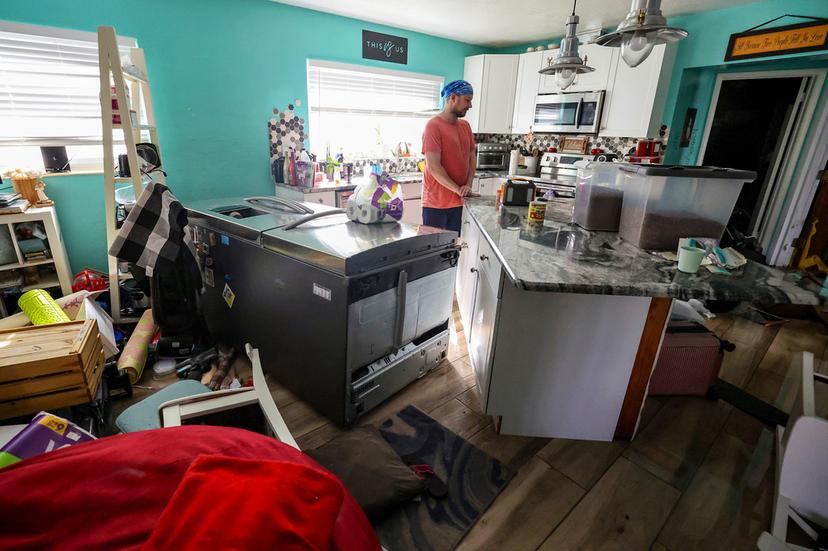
column 49, row 366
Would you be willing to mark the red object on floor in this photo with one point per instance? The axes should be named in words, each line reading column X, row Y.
column 112, row 493
column 90, row 280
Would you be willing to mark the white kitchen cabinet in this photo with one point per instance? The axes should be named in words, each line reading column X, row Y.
column 546, row 83
column 322, row 197
column 484, row 317
column 493, row 78
column 526, row 90
column 635, row 96
column 466, row 279
column 598, row 57
column 488, row 187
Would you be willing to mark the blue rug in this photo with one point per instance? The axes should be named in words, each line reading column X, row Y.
column 474, row 480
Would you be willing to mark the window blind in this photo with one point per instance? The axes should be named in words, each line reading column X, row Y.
column 49, row 86
column 367, row 90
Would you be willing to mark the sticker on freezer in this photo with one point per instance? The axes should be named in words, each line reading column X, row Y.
column 208, row 277
column 228, row 295
column 320, row 291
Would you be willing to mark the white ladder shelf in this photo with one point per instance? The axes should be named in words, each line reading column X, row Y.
column 113, row 75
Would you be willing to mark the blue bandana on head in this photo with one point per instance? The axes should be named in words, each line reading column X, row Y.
column 459, row 87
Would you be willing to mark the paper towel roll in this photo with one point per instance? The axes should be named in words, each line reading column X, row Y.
column 513, row 162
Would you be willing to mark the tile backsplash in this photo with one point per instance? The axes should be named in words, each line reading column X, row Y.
column 544, row 141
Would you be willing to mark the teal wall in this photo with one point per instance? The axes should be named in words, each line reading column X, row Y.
column 701, row 56
column 218, row 68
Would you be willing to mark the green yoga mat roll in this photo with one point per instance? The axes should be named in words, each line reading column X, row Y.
column 41, row 308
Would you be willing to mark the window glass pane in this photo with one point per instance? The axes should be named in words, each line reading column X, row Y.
column 49, row 87
column 364, row 112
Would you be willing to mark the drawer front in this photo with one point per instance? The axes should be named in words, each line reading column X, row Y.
column 322, row 197
column 488, row 263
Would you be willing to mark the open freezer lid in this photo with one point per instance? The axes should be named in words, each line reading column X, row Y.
column 249, row 217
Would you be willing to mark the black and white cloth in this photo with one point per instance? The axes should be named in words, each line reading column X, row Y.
column 155, row 231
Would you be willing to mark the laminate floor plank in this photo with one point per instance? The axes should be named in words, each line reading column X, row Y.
column 623, row 511
column 526, row 512
column 728, row 504
column 582, row 461
column 674, row 443
column 459, row 418
column 794, row 337
column 514, row 451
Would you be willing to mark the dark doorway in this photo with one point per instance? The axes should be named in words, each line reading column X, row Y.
column 750, row 132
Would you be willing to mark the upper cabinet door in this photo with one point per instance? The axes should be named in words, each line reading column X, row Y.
column 599, row 58
column 546, row 83
column 498, row 102
column 635, row 97
column 493, row 78
column 473, row 73
column 526, row 90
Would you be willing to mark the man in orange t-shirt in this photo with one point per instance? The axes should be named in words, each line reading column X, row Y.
column 448, row 145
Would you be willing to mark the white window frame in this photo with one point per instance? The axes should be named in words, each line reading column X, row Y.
column 83, row 165
column 322, row 64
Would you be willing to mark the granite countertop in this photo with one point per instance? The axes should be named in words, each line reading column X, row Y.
column 563, row 257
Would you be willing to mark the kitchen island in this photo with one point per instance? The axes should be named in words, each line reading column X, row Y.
column 564, row 325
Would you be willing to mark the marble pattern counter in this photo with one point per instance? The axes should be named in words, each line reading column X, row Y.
column 563, row 257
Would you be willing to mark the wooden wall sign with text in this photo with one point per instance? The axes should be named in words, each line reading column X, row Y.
column 802, row 37
column 384, row 47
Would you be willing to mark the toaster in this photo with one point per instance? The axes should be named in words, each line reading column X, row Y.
column 518, row 193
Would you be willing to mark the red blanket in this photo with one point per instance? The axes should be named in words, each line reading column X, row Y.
column 157, row 488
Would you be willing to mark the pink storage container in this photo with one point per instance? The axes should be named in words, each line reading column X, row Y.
column 689, row 361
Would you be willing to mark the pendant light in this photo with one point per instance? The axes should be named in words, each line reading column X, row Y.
column 568, row 64
column 643, row 28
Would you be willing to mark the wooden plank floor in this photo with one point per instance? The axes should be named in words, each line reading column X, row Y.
column 698, row 476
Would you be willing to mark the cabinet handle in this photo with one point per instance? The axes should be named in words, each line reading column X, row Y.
column 473, row 270
column 484, row 257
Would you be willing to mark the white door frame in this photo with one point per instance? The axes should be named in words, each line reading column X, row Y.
column 772, row 244
column 803, row 193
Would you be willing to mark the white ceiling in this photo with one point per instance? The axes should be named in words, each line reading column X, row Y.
column 496, row 22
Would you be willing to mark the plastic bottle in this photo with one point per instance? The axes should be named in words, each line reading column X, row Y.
column 286, row 169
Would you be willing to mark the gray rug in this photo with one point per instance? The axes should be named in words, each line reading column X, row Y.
column 474, row 480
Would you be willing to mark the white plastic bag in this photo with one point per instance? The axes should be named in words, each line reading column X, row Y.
column 377, row 199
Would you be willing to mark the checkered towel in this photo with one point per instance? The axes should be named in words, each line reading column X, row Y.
column 154, row 231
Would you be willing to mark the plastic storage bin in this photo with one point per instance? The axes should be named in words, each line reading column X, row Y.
column 663, row 203
column 598, row 196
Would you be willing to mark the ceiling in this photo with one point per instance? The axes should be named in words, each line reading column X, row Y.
column 496, row 23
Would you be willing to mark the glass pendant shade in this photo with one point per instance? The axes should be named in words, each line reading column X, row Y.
column 564, row 78
column 636, row 47
column 643, row 28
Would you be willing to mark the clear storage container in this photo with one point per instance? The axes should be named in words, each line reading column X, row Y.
column 598, row 196
column 663, row 203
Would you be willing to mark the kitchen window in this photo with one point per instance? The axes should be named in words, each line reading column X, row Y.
column 367, row 112
column 49, row 87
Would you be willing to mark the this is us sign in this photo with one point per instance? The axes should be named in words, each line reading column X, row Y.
column 384, row 47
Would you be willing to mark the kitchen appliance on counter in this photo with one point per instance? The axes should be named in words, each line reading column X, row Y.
column 492, row 156
column 344, row 314
column 573, row 113
column 518, row 193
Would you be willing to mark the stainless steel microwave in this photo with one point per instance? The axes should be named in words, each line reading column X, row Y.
column 573, row 113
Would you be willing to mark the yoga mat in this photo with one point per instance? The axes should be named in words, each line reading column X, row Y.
column 41, row 308
column 136, row 350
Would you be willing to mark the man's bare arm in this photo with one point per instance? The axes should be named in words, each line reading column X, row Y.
column 435, row 166
column 472, row 168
